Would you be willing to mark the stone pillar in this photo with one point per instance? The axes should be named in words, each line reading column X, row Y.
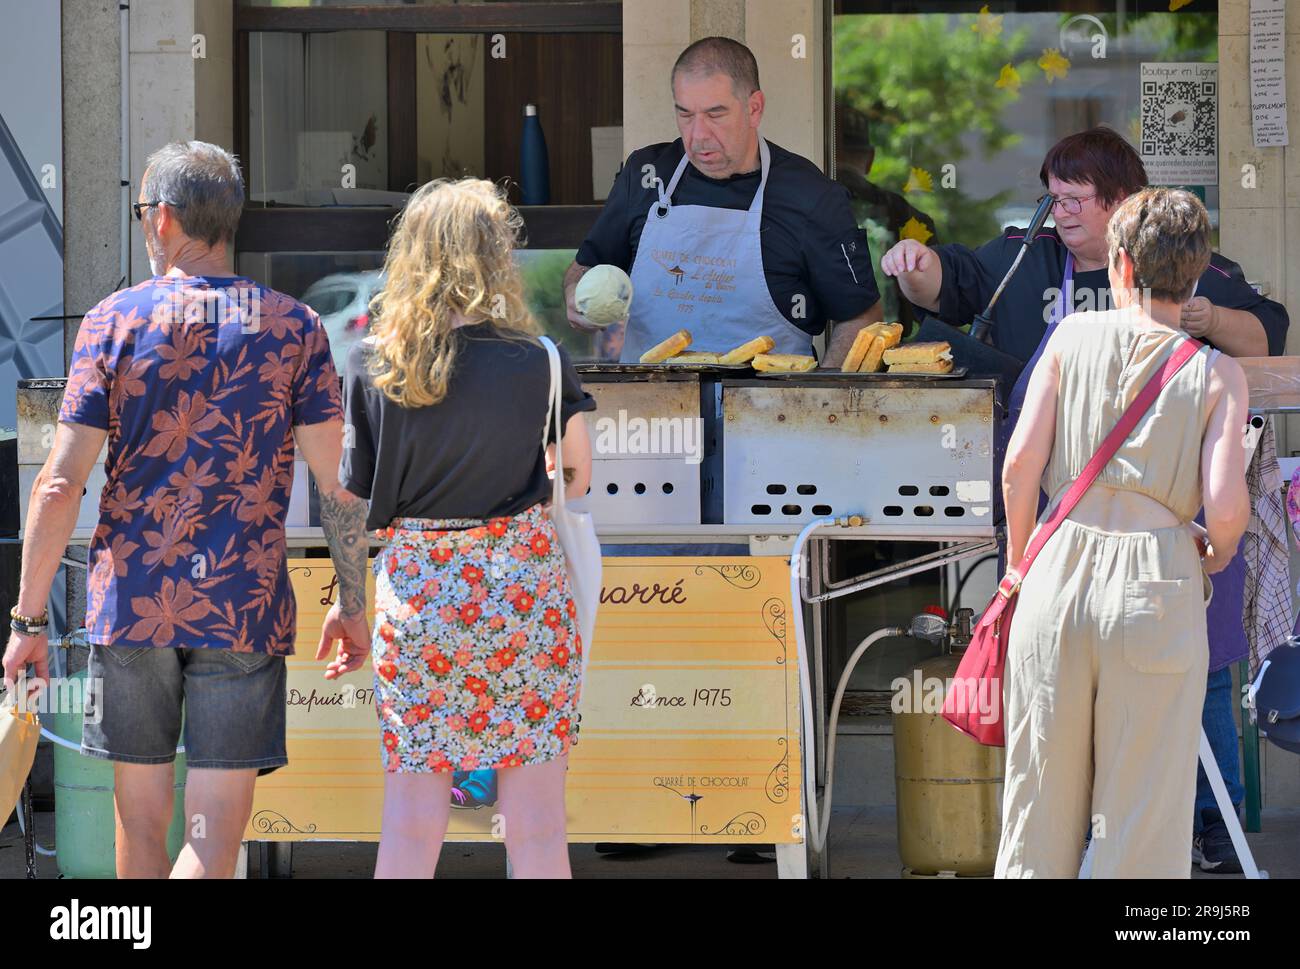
column 787, row 40
column 93, row 202
column 176, row 94
column 92, row 140
column 214, row 73
column 654, row 34
column 1259, row 188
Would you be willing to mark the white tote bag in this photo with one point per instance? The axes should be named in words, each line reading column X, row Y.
column 576, row 530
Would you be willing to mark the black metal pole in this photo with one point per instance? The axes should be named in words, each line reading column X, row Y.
column 29, row 829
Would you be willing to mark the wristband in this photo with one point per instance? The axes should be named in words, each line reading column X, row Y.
column 29, row 625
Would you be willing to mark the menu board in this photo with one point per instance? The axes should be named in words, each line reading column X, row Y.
column 688, row 729
column 1268, row 73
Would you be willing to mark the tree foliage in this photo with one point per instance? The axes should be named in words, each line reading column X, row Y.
column 927, row 83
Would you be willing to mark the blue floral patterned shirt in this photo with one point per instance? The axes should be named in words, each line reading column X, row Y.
column 199, row 382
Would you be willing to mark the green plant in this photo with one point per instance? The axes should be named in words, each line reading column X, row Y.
column 926, row 83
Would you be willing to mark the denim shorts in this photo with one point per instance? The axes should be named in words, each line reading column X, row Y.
column 233, row 705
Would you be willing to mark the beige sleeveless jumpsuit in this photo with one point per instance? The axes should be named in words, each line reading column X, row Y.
column 1108, row 653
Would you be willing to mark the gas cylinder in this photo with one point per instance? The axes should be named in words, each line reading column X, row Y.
column 948, row 787
column 84, row 827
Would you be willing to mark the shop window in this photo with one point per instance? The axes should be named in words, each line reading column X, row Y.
column 318, row 119
column 941, row 117
column 938, row 125
column 342, row 109
column 339, row 286
column 361, row 117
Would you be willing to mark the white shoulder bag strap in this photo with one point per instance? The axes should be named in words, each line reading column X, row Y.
column 555, row 414
column 575, row 529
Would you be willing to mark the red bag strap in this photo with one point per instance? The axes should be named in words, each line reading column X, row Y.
column 1010, row 583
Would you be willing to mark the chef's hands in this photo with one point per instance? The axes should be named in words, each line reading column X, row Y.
column 576, row 320
column 906, row 257
column 1199, row 317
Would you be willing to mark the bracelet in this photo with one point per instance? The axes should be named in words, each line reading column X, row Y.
column 29, row 625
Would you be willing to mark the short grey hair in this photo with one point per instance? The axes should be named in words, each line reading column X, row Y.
column 202, row 182
column 720, row 55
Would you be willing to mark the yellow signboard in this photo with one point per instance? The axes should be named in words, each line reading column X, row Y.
column 688, row 725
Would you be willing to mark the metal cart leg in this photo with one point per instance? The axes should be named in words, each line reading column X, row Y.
column 816, row 863
column 1250, row 759
column 1211, row 768
column 818, row 550
column 791, row 861
column 29, row 835
column 279, row 858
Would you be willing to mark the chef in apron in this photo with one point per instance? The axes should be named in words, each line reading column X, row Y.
column 729, row 236
column 726, row 234
column 1064, row 271
column 681, row 247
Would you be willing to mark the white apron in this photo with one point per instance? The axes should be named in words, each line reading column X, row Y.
column 700, row 268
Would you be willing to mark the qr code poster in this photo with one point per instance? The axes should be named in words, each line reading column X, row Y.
column 1180, row 123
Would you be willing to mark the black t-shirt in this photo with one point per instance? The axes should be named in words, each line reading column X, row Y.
column 1021, row 315
column 815, row 256
column 477, row 453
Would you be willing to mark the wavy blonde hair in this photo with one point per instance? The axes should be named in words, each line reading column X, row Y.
column 451, row 255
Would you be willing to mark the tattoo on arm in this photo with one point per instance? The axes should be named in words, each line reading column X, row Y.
column 568, row 476
column 343, row 520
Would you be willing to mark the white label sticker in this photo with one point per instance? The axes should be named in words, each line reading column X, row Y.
column 974, row 490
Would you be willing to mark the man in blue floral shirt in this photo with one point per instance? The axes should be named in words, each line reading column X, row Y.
column 200, row 382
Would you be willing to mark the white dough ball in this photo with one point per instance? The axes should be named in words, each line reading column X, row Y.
column 603, row 294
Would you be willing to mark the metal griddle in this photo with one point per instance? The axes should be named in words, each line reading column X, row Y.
column 721, row 371
column 836, row 377
column 653, row 369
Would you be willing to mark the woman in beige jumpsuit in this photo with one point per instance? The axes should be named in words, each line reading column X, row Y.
column 1107, row 659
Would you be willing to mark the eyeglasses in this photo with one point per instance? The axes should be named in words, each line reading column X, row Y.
column 1071, row 204
column 139, row 207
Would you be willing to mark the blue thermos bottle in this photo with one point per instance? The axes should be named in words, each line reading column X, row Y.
column 534, row 167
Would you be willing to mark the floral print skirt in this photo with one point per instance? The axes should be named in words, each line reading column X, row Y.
column 477, row 657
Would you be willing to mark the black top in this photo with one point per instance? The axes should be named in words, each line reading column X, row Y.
column 1020, row 317
column 814, row 254
column 475, row 454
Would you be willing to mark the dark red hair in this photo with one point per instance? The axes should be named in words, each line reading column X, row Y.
column 1101, row 157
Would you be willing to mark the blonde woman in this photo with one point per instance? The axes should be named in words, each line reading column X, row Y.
column 1108, row 653
column 476, row 651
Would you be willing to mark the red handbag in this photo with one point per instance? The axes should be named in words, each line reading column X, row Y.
column 973, row 703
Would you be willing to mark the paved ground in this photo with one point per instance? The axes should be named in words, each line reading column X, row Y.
column 862, row 846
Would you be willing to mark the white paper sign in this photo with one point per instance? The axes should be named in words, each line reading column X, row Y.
column 606, row 157
column 1268, row 73
column 1180, row 123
